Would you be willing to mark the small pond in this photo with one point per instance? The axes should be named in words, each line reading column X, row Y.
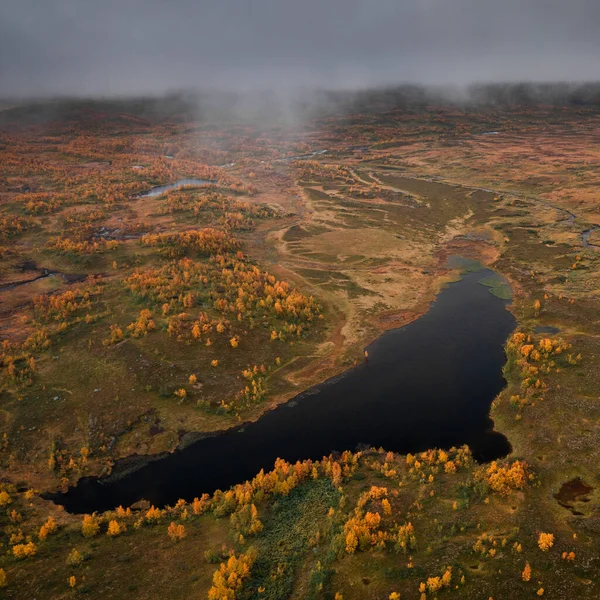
column 161, row 189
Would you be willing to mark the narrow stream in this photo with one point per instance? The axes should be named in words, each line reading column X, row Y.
column 585, row 237
column 68, row 278
column 428, row 384
column 5, row 287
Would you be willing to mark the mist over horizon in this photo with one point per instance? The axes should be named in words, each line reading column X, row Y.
column 131, row 48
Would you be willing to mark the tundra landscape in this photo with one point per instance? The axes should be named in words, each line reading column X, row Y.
column 231, row 349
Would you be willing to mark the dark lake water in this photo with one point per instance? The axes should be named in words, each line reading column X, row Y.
column 429, row 384
column 161, row 189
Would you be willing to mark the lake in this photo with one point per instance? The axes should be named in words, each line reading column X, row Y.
column 428, row 384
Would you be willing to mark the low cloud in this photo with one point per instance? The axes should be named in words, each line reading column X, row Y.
column 124, row 47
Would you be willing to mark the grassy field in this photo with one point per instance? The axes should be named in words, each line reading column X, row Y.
column 130, row 324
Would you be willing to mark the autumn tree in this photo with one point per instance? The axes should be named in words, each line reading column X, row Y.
column 74, row 558
column 545, row 541
column 114, row 528
column 116, row 336
column 90, row 526
column 48, row 528
column 142, row 325
column 246, row 521
column 504, row 478
column 24, row 550
column 229, row 578
column 176, row 532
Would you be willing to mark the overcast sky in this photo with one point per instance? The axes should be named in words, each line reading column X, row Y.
column 136, row 46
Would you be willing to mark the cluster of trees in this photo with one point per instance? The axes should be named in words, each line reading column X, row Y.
column 24, row 550
column 11, row 226
column 185, row 328
column 230, row 576
column 18, row 368
column 65, row 245
column 165, row 170
column 488, row 545
column 237, row 221
column 58, row 307
column 17, row 360
column 183, row 200
column 81, row 223
column 240, row 503
column 533, row 360
column 230, row 213
column 437, row 583
column 427, row 465
column 313, row 170
column 279, row 482
column 245, row 520
column 371, row 191
column 505, row 477
column 388, row 467
column 254, row 392
column 68, row 182
column 19, row 534
column 142, row 325
column 65, row 464
column 42, row 203
column 371, row 524
column 173, row 286
column 108, row 190
column 116, row 335
column 205, row 242
column 231, row 285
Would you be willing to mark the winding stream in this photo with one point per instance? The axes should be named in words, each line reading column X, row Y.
column 68, row 278
column 428, row 384
column 585, row 237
